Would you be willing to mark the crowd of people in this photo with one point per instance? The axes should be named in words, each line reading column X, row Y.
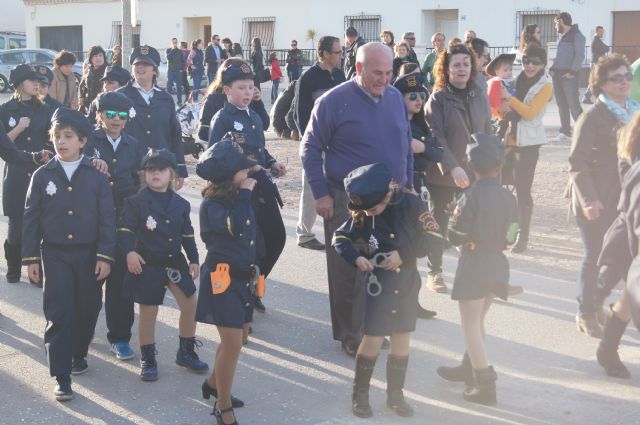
column 400, row 160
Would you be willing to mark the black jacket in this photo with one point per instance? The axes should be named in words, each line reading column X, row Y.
column 350, row 60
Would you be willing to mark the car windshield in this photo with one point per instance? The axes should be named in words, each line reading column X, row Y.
column 12, row 58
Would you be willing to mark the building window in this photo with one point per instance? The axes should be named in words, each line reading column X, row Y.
column 116, row 34
column 368, row 26
column 262, row 28
column 545, row 21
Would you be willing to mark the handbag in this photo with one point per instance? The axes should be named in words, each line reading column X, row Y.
column 264, row 75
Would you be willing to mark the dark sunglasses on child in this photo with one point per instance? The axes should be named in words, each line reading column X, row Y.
column 120, row 114
column 619, row 78
column 414, row 95
column 527, row 61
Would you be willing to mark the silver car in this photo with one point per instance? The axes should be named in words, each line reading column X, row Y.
column 9, row 59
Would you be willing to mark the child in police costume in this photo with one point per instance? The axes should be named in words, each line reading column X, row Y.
column 237, row 116
column 484, row 223
column 114, row 77
column 123, row 155
column 153, row 228
column 46, row 76
column 27, row 120
column 229, row 229
column 69, row 222
column 398, row 229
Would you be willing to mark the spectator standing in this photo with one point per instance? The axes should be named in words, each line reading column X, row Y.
column 257, row 60
column 565, row 72
column 184, row 48
column 437, row 41
column 401, row 56
column 530, row 35
column 90, row 85
column 276, row 75
column 598, row 49
column 228, row 47
column 480, row 49
column 469, row 35
column 410, row 38
column 116, row 57
column 316, row 81
column 294, row 61
column 214, row 55
column 237, row 51
column 196, row 60
column 175, row 67
column 352, row 42
column 64, row 88
column 387, row 38
column 360, row 122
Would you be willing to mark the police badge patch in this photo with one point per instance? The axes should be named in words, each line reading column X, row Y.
column 238, row 126
column 151, row 223
column 12, row 122
column 373, row 243
column 132, row 112
column 51, row 189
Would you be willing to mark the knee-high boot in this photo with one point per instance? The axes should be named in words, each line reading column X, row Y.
column 484, row 388
column 360, row 399
column 396, row 373
column 607, row 353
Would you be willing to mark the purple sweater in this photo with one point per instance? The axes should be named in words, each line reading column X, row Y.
column 349, row 129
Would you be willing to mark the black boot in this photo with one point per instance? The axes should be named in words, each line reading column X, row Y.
column 148, row 364
column 13, row 255
column 187, row 357
column 423, row 313
column 607, row 353
column 462, row 373
column 360, row 399
column 524, row 219
column 484, row 388
column 396, row 372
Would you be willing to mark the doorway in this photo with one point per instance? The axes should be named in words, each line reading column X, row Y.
column 439, row 20
column 626, row 34
column 194, row 28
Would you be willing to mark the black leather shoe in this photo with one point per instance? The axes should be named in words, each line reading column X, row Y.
column 350, row 348
column 218, row 414
column 62, row 391
column 207, row 392
column 258, row 305
column 79, row 366
column 423, row 313
column 314, row 244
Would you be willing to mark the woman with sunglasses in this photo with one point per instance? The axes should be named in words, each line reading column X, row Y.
column 123, row 155
column 425, row 147
column 525, row 134
column 593, row 171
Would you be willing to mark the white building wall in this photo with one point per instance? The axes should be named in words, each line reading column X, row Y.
column 12, row 15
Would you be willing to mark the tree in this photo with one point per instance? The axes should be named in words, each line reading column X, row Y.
column 311, row 36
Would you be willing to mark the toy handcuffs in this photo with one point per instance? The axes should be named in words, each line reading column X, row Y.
column 374, row 287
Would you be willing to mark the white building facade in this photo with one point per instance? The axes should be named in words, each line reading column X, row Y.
column 79, row 24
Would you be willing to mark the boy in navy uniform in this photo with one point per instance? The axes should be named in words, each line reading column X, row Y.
column 69, row 222
column 153, row 228
column 396, row 229
column 123, row 154
column 484, row 223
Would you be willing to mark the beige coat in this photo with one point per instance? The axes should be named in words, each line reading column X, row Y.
column 60, row 84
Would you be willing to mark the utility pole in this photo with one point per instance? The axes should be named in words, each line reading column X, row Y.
column 127, row 34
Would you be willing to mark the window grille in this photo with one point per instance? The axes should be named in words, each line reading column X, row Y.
column 368, row 26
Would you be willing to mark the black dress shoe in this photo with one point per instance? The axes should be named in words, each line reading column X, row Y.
column 423, row 313
column 258, row 305
column 207, row 392
column 314, row 244
column 350, row 348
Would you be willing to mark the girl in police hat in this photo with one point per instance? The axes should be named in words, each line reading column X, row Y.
column 27, row 120
column 69, row 222
column 237, row 116
column 153, row 229
column 398, row 229
column 228, row 278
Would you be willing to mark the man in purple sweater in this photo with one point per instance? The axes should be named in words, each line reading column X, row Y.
column 359, row 122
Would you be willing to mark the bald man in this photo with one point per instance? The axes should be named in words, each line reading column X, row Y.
column 359, row 122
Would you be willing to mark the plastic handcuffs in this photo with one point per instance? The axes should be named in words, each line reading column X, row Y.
column 174, row 275
column 374, row 287
column 378, row 259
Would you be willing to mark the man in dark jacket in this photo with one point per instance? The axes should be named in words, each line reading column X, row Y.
column 214, row 55
column 565, row 72
column 175, row 68
column 279, row 111
column 598, row 49
column 352, row 42
column 410, row 38
column 294, row 61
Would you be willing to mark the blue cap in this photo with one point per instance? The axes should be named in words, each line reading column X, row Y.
column 488, row 152
column 65, row 116
column 236, row 70
column 116, row 73
column 409, row 83
column 145, row 54
column 113, row 100
column 159, row 158
column 367, row 186
column 44, row 74
column 223, row 160
column 21, row 73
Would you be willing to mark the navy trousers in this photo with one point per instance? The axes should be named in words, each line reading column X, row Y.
column 117, row 306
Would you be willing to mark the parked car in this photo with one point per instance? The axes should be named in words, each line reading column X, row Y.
column 12, row 40
column 9, row 59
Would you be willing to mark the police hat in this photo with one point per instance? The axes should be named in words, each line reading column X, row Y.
column 65, row 116
column 410, row 83
column 45, row 75
column 145, row 54
column 159, row 158
column 222, row 160
column 21, row 73
column 501, row 58
column 116, row 73
column 115, row 101
column 487, row 153
column 367, row 186
column 236, row 70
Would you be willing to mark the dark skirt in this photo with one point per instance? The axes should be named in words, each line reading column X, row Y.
column 480, row 275
column 231, row 309
column 150, row 286
column 615, row 246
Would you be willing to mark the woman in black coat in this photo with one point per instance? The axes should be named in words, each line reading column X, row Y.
column 91, row 84
column 257, row 60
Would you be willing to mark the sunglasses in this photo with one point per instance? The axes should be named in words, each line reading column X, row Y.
column 112, row 114
column 527, row 61
column 415, row 95
column 619, row 78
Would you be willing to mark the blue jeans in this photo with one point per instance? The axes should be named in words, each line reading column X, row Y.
column 196, row 77
column 568, row 100
column 175, row 77
column 275, row 84
column 293, row 72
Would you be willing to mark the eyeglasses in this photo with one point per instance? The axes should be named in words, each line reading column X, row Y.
column 293, row 44
column 414, row 96
column 120, row 114
column 527, row 61
column 619, row 78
